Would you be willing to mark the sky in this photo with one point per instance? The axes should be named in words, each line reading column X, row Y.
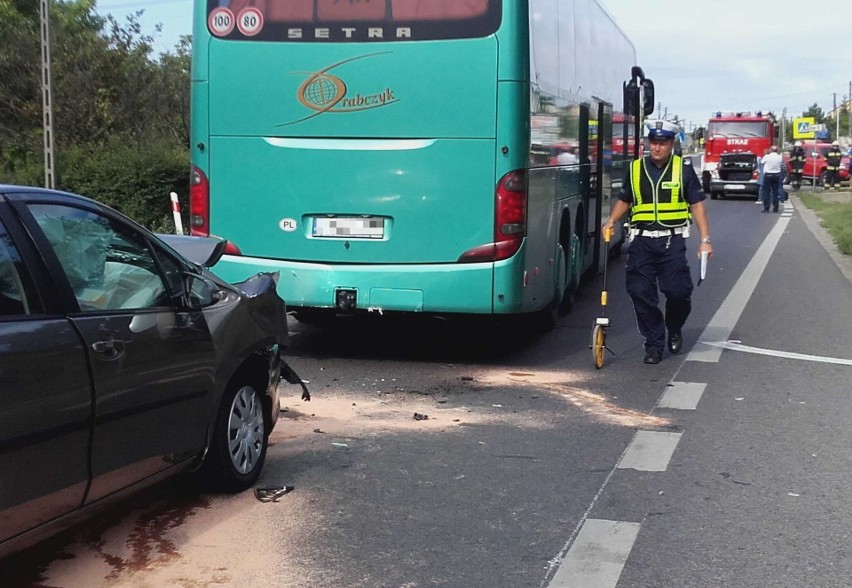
column 728, row 55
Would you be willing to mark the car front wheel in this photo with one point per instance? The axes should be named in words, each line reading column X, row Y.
column 240, row 440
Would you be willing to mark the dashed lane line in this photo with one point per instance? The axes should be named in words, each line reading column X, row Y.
column 597, row 557
column 682, row 395
column 650, row 451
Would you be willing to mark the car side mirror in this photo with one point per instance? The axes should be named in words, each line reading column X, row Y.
column 201, row 292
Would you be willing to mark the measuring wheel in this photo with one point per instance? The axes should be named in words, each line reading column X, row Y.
column 599, row 345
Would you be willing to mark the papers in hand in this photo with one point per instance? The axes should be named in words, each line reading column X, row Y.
column 703, row 274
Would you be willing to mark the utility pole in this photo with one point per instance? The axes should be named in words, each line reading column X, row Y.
column 849, row 110
column 46, row 92
column 783, row 126
column 836, row 118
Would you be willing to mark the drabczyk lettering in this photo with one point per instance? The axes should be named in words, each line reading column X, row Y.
column 371, row 100
column 348, row 33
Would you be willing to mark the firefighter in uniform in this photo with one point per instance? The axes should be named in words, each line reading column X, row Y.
column 797, row 164
column 832, row 159
column 663, row 193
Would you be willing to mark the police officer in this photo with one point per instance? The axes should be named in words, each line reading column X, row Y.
column 832, row 168
column 797, row 164
column 661, row 191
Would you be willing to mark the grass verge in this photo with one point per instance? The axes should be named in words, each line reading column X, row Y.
column 834, row 216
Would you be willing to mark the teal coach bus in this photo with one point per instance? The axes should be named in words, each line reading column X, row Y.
column 436, row 156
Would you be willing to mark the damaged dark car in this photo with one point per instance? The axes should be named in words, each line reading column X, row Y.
column 737, row 175
column 123, row 361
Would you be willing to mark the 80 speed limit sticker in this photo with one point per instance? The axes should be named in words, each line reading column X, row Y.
column 221, row 22
column 250, row 21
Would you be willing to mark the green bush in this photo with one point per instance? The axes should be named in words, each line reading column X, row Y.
column 135, row 181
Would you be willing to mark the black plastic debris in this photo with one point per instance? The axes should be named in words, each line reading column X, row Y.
column 292, row 377
column 272, row 494
column 421, row 417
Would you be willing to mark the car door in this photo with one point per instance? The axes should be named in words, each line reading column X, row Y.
column 45, row 393
column 152, row 360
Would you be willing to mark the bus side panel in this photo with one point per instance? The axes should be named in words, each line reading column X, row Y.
column 200, row 125
column 542, row 239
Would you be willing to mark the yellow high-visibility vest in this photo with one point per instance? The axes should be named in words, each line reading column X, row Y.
column 661, row 203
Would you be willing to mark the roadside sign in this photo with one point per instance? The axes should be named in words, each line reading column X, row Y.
column 803, row 128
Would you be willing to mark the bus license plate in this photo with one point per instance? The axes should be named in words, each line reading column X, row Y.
column 346, row 227
column 735, row 187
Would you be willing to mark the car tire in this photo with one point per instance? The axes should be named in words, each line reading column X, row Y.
column 823, row 177
column 240, row 439
column 715, row 195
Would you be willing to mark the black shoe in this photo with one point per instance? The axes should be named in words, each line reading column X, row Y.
column 653, row 356
column 675, row 342
column 774, row 210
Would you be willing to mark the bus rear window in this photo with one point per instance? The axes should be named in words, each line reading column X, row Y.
column 352, row 20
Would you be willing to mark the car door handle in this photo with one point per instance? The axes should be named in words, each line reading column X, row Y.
column 109, row 347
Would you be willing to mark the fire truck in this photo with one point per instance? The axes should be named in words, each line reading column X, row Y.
column 734, row 141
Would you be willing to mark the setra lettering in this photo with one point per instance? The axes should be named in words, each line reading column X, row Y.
column 322, row 33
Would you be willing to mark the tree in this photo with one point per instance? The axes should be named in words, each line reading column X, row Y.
column 117, row 110
column 816, row 112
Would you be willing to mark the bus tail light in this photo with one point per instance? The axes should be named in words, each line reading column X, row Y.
column 199, row 203
column 510, row 221
column 231, row 248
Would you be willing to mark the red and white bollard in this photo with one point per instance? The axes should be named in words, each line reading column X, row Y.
column 176, row 213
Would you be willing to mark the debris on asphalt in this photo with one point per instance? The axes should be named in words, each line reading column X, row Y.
column 421, row 417
column 272, row 494
column 319, row 431
column 340, row 445
column 466, row 379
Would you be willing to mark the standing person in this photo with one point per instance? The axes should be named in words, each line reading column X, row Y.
column 760, row 184
column 663, row 192
column 772, row 163
column 832, row 159
column 797, row 165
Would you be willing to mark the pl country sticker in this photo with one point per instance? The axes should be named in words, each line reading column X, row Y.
column 221, row 22
column 250, row 21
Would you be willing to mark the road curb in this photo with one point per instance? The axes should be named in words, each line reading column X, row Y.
column 843, row 262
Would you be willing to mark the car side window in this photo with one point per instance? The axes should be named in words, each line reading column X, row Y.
column 108, row 264
column 17, row 294
column 173, row 272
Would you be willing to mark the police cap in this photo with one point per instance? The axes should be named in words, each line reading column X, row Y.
column 661, row 129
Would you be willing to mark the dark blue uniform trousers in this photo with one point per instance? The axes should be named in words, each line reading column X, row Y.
column 653, row 262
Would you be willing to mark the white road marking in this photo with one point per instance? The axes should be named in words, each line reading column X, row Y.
column 720, row 326
column 650, row 451
column 597, row 557
column 734, row 346
column 682, row 395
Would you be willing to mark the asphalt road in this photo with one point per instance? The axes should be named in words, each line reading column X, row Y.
column 724, row 466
